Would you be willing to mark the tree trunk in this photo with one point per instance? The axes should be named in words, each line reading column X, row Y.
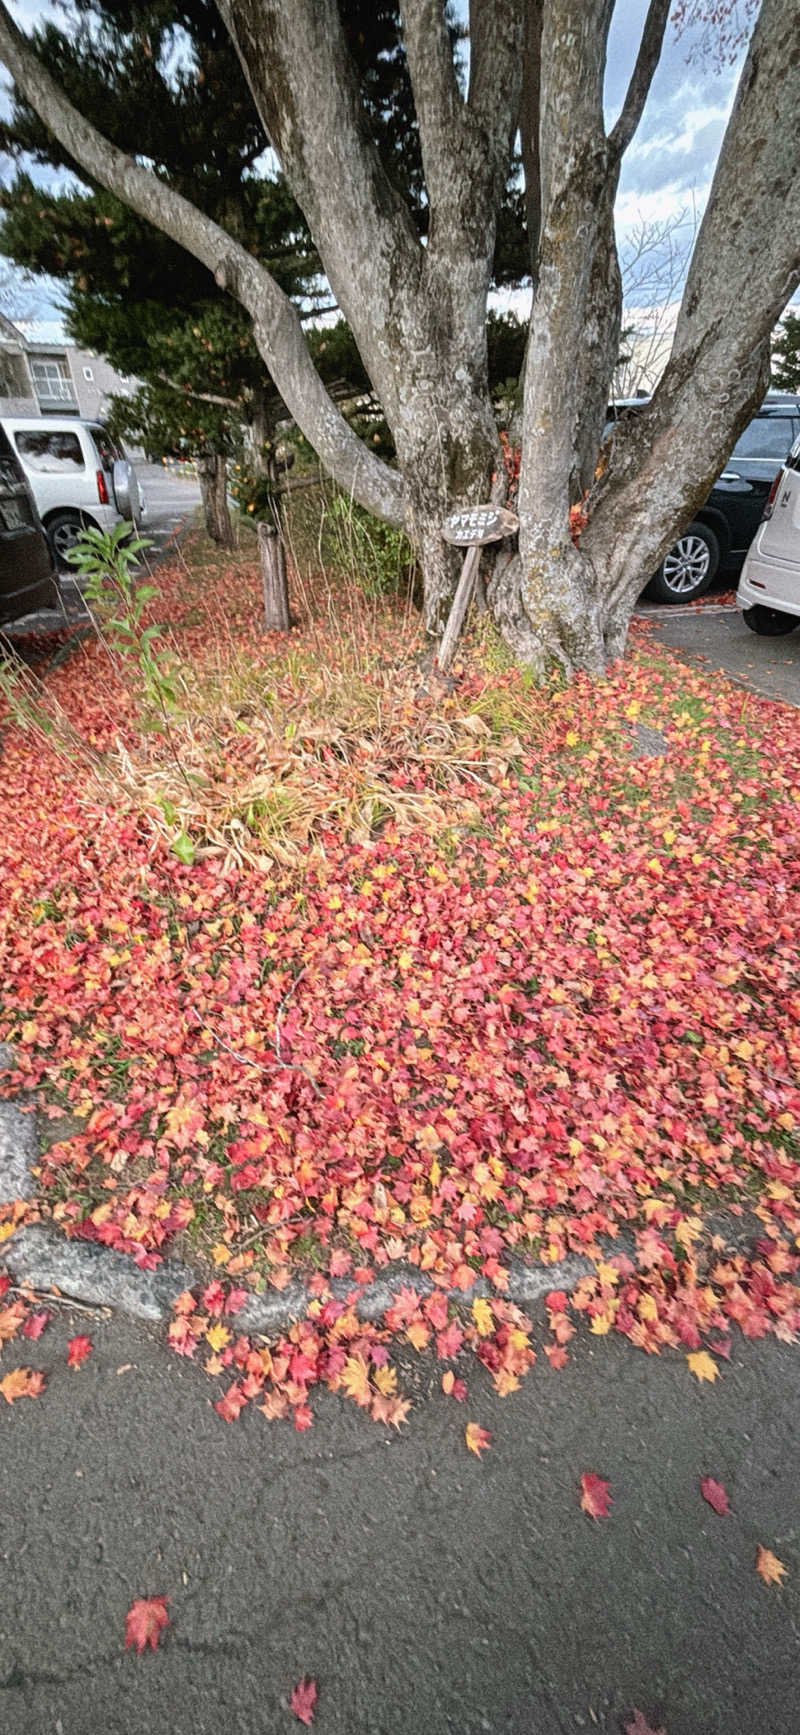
column 273, row 578
column 212, row 474
column 418, row 312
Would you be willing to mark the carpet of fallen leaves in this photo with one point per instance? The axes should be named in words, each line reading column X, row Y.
column 559, row 1016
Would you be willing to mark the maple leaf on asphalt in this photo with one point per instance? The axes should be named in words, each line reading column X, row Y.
column 556, row 1355
column 302, row 1701
column 144, row 1621
column 478, row 1439
column 771, row 1569
column 77, row 1350
column 701, row 1365
column 640, row 1726
column 715, row 1494
column 35, row 1323
column 231, row 1404
column 21, row 1383
column 595, row 1495
column 11, row 1318
column 354, row 1379
column 452, row 1387
column 393, row 1412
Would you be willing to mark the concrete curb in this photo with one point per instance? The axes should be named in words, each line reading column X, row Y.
column 44, row 1259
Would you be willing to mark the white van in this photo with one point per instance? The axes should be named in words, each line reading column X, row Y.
column 79, row 476
column 769, row 588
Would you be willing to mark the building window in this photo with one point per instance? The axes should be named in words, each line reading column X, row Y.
column 52, row 379
column 14, row 379
column 88, row 374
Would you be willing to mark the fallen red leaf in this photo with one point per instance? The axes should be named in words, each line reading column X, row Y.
column 35, row 1323
column 77, row 1350
column 595, row 1495
column 640, row 1726
column 715, row 1494
column 478, row 1439
column 231, row 1404
column 302, row 1701
column 144, row 1621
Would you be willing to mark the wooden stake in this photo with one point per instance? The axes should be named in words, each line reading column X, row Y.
column 461, row 602
column 273, row 579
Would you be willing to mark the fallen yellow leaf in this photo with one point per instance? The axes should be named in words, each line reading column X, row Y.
column 771, row 1569
column 702, row 1365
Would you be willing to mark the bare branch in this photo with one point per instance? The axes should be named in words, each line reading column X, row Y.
column 437, row 99
column 306, row 89
column 276, row 324
column 202, row 397
column 496, row 38
column 466, row 146
column 529, row 128
column 647, row 60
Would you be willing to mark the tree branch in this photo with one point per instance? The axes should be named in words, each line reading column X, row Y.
column 202, row 397
column 437, row 99
column 642, row 76
column 496, row 36
column 307, row 92
column 529, row 129
column 276, row 325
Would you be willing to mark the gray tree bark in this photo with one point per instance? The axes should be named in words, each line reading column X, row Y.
column 212, row 474
column 273, row 579
column 418, row 313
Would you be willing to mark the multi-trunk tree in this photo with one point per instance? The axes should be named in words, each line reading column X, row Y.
column 416, row 303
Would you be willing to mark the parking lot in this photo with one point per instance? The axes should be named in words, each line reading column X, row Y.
column 713, row 633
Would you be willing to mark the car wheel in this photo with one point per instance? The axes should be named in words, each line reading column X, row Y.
column 63, row 530
column 771, row 623
column 688, row 568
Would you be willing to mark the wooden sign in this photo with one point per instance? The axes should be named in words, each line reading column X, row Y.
column 474, row 526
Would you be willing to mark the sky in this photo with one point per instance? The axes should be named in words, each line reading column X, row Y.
column 667, row 170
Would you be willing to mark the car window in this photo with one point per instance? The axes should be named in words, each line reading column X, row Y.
column 108, row 449
column 50, row 452
column 766, row 437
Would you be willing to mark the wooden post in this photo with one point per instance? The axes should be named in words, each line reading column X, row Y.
column 461, row 601
column 470, row 527
column 273, row 579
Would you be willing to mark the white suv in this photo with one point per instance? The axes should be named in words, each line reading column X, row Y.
column 769, row 588
column 78, row 474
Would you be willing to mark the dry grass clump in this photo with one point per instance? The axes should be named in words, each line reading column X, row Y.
column 269, row 758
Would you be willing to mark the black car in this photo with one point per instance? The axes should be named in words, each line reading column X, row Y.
column 27, row 572
column 719, row 535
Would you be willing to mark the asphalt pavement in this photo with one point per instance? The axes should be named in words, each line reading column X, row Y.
column 713, row 634
column 170, row 501
column 426, row 1592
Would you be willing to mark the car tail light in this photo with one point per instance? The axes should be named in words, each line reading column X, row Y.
column 102, row 491
column 770, row 500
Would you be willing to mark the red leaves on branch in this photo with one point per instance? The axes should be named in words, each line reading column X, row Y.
column 145, row 1621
